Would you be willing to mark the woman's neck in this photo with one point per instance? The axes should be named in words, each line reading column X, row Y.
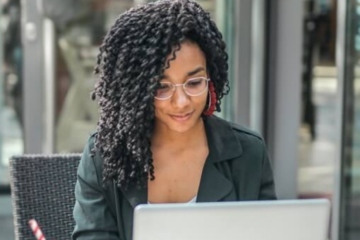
column 164, row 137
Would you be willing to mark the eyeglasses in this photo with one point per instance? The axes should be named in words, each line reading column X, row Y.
column 192, row 87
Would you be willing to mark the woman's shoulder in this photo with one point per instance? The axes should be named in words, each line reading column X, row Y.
column 91, row 163
column 243, row 134
column 252, row 143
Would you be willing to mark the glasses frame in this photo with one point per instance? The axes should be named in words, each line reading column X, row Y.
column 183, row 86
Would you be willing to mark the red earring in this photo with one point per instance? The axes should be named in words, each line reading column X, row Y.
column 212, row 100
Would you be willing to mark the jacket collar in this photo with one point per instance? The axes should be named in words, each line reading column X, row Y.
column 223, row 144
column 214, row 186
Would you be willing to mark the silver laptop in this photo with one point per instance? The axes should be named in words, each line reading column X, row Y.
column 258, row 220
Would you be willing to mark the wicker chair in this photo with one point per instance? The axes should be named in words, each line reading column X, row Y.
column 42, row 188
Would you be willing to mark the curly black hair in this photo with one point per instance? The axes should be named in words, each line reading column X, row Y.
column 132, row 59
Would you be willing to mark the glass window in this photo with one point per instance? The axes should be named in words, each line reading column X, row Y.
column 317, row 138
column 11, row 117
column 319, row 80
column 350, row 180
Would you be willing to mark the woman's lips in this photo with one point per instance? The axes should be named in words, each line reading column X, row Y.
column 181, row 117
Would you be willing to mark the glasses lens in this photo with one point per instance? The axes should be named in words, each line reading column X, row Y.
column 164, row 90
column 196, row 86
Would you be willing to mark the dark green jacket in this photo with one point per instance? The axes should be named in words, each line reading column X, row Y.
column 237, row 169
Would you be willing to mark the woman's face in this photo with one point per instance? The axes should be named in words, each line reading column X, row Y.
column 181, row 112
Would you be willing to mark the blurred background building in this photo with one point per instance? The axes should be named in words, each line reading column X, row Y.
column 294, row 73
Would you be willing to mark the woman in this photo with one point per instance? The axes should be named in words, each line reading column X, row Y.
column 163, row 72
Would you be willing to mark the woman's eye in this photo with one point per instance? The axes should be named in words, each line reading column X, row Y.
column 194, row 83
column 163, row 86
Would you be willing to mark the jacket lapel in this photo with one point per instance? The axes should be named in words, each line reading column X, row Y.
column 223, row 145
column 135, row 196
column 213, row 185
column 222, row 142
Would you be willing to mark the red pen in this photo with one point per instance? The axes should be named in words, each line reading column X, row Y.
column 36, row 230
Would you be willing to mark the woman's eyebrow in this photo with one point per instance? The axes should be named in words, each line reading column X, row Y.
column 199, row 69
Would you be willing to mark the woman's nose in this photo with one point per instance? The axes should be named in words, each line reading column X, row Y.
column 180, row 98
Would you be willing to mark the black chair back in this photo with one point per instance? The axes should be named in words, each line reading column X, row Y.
column 42, row 188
